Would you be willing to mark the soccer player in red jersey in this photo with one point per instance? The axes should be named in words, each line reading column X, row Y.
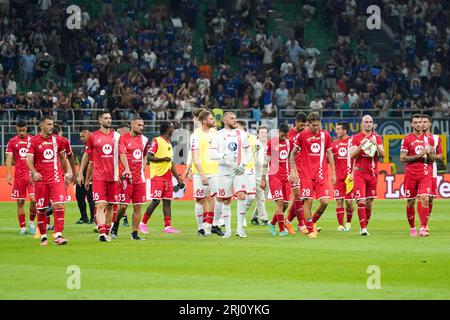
column 344, row 167
column 136, row 149
column 415, row 152
column 438, row 155
column 49, row 168
column 17, row 149
column 105, row 151
column 161, row 170
column 314, row 146
column 296, row 209
column 365, row 149
column 277, row 157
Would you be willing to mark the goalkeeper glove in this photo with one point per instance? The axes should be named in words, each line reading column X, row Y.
column 239, row 170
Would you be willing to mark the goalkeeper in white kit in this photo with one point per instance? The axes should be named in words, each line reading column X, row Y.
column 230, row 147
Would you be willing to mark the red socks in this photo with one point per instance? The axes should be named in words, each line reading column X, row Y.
column 292, row 211
column 340, row 216
column 42, row 222
column 349, row 214
column 368, row 215
column 32, row 214
column 22, row 222
column 107, row 229
column 102, row 229
column 362, row 215
column 167, row 221
column 208, row 217
column 424, row 216
column 310, row 225
column 410, row 214
column 145, row 218
column 59, row 219
column 115, row 206
column 274, row 219
column 316, row 217
column 280, row 220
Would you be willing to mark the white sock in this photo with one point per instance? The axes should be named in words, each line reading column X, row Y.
column 249, row 202
column 217, row 212
column 241, row 208
column 226, row 210
column 199, row 215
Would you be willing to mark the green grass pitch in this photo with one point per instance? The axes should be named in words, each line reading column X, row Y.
column 184, row 266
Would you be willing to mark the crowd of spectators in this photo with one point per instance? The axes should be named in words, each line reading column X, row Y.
column 141, row 61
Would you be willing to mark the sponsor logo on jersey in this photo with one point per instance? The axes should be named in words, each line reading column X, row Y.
column 48, row 154
column 283, row 154
column 23, row 152
column 342, row 152
column 232, row 146
column 315, row 148
column 137, row 154
column 418, row 149
column 107, row 149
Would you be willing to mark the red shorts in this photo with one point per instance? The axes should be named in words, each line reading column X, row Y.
column 105, row 191
column 417, row 186
column 21, row 188
column 161, row 189
column 280, row 190
column 365, row 185
column 434, row 187
column 46, row 192
column 136, row 193
column 313, row 189
column 339, row 189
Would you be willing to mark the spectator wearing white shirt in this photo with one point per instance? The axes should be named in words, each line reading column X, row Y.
column 203, row 83
column 317, row 104
column 92, row 84
column 281, row 96
column 284, row 69
column 353, row 97
column 310, row 64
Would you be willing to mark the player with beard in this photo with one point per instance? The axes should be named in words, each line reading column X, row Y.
column 437, row 156
column 133, row 190
column 416, row 152
column 105, row 151
column 344, row 168
column 314, row 146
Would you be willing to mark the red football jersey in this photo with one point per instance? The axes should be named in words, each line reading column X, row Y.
column 19, row 148
column 292, row 135
column 363, row 162
column 313, row 154
column 104, row 151
column 413, row 145
column 67, row 146
column 278, row 151
column 437, row 149
column 46, row 157
column 136, row 149
column 342, row 160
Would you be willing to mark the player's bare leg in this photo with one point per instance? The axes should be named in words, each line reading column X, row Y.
column 122, row 208
column 21, row 216
column 340, row 214
column 362, row 216
column 58, row 214
column 430, row 205
column 411, row 216
column 241, row 209
column 167, row 211
column 201, row 207
column 349, row 208
column 148, row 213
